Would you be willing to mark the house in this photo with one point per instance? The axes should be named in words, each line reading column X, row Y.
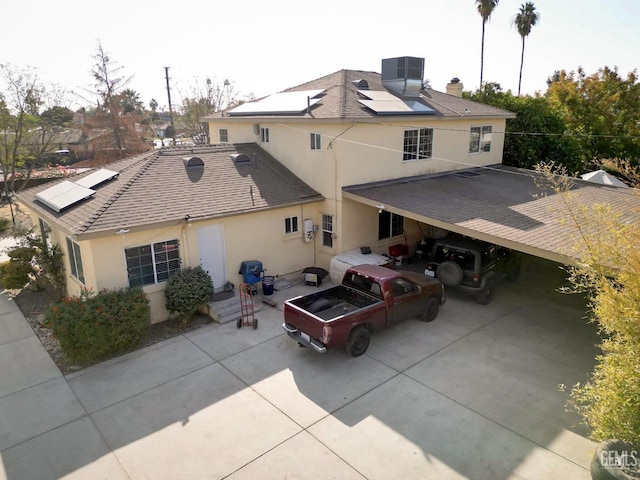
column 145, row 216
column 348, row 160
column 356, row 127
column 397, row 162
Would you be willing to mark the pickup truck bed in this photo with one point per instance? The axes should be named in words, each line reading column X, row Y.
column 334, row 302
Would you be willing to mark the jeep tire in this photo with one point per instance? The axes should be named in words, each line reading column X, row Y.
column 486, row 295
column 450, row 273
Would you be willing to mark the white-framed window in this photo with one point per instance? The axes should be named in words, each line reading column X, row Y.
column 389, row 225
column 150, row 264
column 291, row 225
column 327, row 230
column 480, row 139
column 75, row 259
column 264, row 135
column 418, row 144
column 224, row 135
column 316, row 142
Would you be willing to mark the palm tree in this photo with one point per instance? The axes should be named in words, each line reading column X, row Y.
column 526, row 18
column 485, row 8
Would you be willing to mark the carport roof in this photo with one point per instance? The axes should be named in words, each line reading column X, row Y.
column 512, row 207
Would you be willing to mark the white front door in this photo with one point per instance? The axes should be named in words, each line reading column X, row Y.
column 213, row 257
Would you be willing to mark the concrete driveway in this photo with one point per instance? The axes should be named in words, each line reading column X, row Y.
column 473, row 394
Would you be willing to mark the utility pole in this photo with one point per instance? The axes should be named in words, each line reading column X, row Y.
column 173, row 128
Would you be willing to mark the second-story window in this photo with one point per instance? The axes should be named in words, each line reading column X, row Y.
column 418, row 144
column 264, row 135
column 316, row 143
column 480, row 139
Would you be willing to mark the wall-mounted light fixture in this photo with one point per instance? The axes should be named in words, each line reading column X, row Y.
column 122, row 231
column 380, row 208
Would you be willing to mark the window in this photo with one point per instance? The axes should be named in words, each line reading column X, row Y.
column 480, row 140
column 418, row 144
column 400, row 286
column 264, row 135
column 224, row 135
column 389, row 225
column 291, row 225
column 316, row 143
column 153, row 263
column 75, row 259
column 327, row 230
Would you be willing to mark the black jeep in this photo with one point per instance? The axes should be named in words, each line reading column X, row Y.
column 473, row 266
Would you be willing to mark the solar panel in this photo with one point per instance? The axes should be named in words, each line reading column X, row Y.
column 279, row 103
column 63, row 195
column 384, row 103
column 96, row 178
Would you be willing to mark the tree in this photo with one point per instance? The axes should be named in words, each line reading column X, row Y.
column 130, row 101
column 485, row 8
column 26, row 135
column 113, row 104
column 537, row 134
column 200, row 103
column 603, row 109
column 524, row 20
column 608, row 271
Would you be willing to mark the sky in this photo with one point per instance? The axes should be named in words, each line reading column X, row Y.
column 265, row 47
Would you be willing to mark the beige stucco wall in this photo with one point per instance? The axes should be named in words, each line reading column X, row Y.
column 256, row 236
column 354, row 153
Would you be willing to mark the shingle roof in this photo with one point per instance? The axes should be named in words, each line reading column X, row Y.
column 508, row 206
column 340, row 100
column 156, row 187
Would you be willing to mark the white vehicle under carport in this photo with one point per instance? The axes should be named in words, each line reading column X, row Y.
column 472, row 266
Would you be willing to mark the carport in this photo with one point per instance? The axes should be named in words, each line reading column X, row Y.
column 511, row 207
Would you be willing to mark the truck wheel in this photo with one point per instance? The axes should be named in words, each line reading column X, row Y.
column 450, row 273
column 430, row 310
column 486, row 295
column 358, row 341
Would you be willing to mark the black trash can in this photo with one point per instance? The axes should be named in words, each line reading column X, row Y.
column 267, row 285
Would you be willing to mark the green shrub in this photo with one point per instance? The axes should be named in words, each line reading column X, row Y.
column 92, row 327
column 18, row 271
column 5, row 223
column 186, row 291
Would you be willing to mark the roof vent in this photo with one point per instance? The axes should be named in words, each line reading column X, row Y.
column 240, row 158
column 361, row 84
column 403, row 75
column 191, row 162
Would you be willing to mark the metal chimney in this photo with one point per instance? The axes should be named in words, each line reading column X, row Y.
column 403, row 75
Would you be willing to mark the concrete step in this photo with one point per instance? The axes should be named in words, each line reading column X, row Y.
column 230, row 310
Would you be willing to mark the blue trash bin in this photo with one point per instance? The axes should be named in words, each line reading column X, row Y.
column 267, row 285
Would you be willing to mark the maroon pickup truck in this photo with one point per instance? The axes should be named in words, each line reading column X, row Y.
column 370, row 299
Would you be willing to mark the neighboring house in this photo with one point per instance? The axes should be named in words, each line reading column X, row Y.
column 141, row 218
column 355, row 127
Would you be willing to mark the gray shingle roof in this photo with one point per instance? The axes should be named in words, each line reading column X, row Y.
column 340, row 100
column 156, row 187
column 508, row 206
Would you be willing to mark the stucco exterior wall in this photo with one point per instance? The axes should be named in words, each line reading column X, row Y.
column 256, row 236
column 363, row 152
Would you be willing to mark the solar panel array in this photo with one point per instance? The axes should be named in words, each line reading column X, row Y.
column 66, row 193
column 287, row 103
column 384, row 103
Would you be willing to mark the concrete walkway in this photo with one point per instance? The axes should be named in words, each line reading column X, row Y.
column 473, row 394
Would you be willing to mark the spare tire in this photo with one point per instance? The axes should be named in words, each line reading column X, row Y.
column 320, row 305
column 450, row 273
